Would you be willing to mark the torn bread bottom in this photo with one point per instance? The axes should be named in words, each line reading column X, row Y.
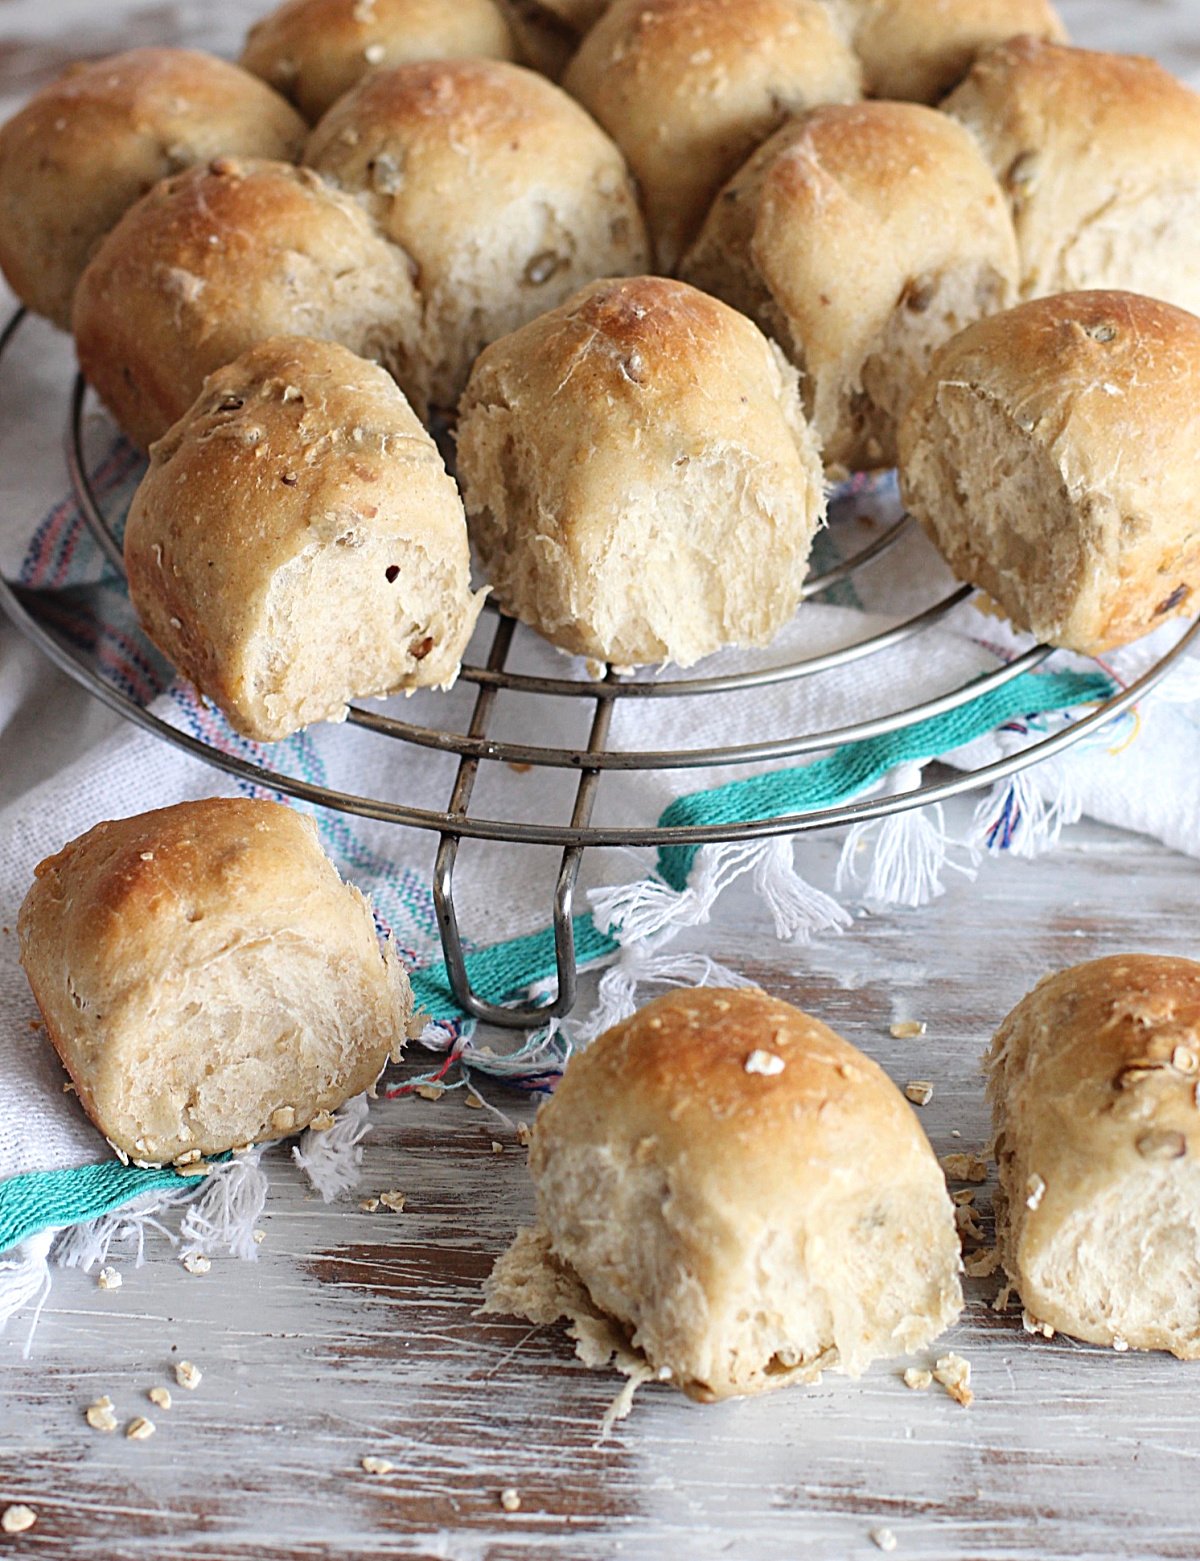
column 531, row 1281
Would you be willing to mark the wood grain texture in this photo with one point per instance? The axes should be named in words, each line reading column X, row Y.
column 356, row 1334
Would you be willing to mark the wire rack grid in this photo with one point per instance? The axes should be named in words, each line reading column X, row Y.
column 481, row 745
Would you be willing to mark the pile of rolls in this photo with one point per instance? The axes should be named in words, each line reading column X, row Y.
column 665, row 268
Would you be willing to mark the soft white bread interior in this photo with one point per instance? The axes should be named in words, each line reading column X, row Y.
column 207, row 978
column 918, row 49
column 1093, row 1082
column 749, row 1197
column 313, row 51
column 221, row 257
column 504, row 193
column 688, row 89
column 640, row 481
column 860, row 237
column 1053, row 456
column 1100, row 155
column 87, row 146
column 297, row 542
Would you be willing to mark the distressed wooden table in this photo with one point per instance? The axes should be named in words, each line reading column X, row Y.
column 356, row 1333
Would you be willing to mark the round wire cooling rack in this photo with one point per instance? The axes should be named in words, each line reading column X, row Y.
column 478, row 746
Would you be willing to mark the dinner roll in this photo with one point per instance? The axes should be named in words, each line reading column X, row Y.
column 219, row 258
column 748, row 1196
column 1093, row 1083
column 919, row 49
column 1100, row 156
column 207, row 978
column 860, row 237
column 501, row 189
column 90, row 144
column 297, row 543
column 315, row 50
column 1053, row 456
column 639, row 478
column 688, row 89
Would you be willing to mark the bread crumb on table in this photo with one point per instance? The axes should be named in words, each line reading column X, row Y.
column 919, row 1091
column 377, row 1466
column 964, row 1167
column 954, row 1374
column 917, row 1379
column 908, row 1029
column 369, row 1205
column 983, row 1264
column 883, row 1539
column 17, row 1519
column 524, row 1136
column 109, row 1279
column 510, row 1499
column 393, row 1200
column 196, row 1262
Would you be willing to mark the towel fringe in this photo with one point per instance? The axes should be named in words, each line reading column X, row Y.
column 617, row 999
column 332, row 1160
column 227, row 1209
column 901, row 860
column 1017, row 817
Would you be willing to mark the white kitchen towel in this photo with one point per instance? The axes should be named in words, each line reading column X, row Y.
column 53, row 1166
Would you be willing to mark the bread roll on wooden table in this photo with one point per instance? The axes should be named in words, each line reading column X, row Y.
column 639, row 477
column 207, row 978
column 860, row 237
column 222, row 257
column 747, row 1198
column 1093, row 1081
column 1053, row 456
column 504, row 193
column 297, row 542
column 688, row 89
column 86, row 147
column 315, row 50
column 1100, row 156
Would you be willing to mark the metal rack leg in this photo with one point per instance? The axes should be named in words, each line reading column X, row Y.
column 521, row 1016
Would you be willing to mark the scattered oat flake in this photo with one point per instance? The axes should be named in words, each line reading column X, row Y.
column 369, row 1205
column 954, row 1373
column 524, row 1136
column 908, row 1029
column 190, row 1158
column 109, row 1279
column 497, row 1148
column 258, row 1237
column 883, row 1539
column 283, row 1119
column 393, row 1200
column 377, row 1466
column 100, row 1415
column 917, row 1379
column 1032, row 1325
column 766, row 1063
column 964, row 1195
column 322, row 1122
column 196, row 1262
column 964, row 1167
column 430, row 1091
column 187, row 1375
column 160, row 1397
column 919, row 1091
column 966, row 1223
column 474, row 1103
column 983, row 1264
column 139, row 1429
column 17, row 1519
column 510, row 1500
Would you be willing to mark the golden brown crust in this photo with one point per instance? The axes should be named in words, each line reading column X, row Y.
column 86, row 147
column 688, row 89
column 1093, row 1082
column 219, row 258
column 506, row 195
column 860, row 236
column 1098, row 394
column 313, row 51
column 1100, row 156
column 918, row 49
column 297, row 542
column 207, row 978
column 640, row 481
